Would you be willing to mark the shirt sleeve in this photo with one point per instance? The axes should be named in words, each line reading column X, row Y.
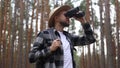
column 87, row 39
column 38, row 51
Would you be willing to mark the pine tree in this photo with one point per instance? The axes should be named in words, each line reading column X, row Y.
column 102, row 54
column 117, row 33
column 108, row 34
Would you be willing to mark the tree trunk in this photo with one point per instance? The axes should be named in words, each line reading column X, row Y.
column 4, row 32
column 108, row 32
column 41, row 21
column 94, row 61
column 102, row 54
column 45, row 9
column 0, row 34
column 94, row 58
column 37, row 12
column 20, row 42
column 82, row 58
column 88, row 19
column 85, row 57
column 87, row 10
column 117, row 33
column 13, row 62
column 9, row 33
column 1, row 28
column 26, row 37
column 30, row 30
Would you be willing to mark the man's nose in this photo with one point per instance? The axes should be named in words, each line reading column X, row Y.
column 67, row 17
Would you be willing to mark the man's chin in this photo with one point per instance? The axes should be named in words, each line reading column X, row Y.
column 64, row 24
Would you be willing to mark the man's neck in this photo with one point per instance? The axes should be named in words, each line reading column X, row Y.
column 59, row 27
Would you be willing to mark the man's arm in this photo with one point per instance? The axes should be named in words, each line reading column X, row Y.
column 88, row 38
column 38, row 50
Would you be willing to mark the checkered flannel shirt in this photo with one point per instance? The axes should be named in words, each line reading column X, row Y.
column 44, row 58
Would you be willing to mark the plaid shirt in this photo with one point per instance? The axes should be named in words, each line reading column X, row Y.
column 44, row 58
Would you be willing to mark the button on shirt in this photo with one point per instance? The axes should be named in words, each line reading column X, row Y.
column 67, row 52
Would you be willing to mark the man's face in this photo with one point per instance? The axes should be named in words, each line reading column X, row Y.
column 63, row 21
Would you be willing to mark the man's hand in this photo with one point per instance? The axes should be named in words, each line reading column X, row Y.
column 55, row 45
column 81, row 19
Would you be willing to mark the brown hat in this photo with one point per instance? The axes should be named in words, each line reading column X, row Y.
column 54, row 12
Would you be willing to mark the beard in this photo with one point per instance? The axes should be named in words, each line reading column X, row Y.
column 64, row 24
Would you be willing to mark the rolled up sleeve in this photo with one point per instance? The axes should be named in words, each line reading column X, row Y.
column 87, row 39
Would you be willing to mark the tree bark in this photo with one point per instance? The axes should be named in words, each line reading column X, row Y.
column 9, row 33
column 4, row 7
column 26, row 36
column 13, row 62
column 20, row 39
column 82, row 58
column 102, row 54
column 45, row 9
column 37, row 12
column 108, row 32
column 1, row 28
column 117, row 33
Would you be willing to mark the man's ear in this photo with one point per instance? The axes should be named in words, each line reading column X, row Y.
column 56, row 18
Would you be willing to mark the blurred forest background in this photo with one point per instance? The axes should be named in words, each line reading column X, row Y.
column 21, row 20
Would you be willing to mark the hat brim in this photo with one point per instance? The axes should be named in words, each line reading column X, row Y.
column 57, row 11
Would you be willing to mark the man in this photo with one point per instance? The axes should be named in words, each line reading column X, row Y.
column 53, row 48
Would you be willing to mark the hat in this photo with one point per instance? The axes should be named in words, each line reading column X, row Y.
column 54, row 12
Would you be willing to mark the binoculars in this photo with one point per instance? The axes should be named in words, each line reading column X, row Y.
column 75, row 12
